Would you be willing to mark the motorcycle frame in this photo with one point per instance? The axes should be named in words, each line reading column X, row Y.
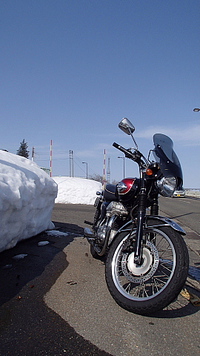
column 140, row 220
column 141, row 216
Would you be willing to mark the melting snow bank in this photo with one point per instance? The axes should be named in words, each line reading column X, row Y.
column 76, row 190
column 27, row 196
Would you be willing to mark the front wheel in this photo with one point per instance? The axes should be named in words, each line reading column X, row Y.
column 154, row 284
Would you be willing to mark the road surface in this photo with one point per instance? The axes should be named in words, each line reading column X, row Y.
column 55, row 301
column 186, row 210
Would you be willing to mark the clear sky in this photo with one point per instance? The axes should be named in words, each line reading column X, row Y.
column 71, row 69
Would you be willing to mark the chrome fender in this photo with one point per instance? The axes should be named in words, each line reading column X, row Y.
column 164, row 221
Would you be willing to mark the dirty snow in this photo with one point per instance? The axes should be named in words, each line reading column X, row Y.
column 27, row 196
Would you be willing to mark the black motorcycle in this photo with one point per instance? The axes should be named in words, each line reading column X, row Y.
column 146, row 257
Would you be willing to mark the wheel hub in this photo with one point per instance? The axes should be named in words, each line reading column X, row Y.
column 147, row 260
column 150, row 262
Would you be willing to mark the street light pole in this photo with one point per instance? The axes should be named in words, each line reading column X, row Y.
column 124, row 168
column 86, row 169
column 196, row 109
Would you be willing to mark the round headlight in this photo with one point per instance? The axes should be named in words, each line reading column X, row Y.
column 166, row 186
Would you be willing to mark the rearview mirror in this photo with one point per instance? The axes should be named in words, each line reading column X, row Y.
column 126, row 126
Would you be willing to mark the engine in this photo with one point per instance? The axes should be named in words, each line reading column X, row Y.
column 115, row 211
column 116, row 208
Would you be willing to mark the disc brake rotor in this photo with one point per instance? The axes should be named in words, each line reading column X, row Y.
column 150, row 262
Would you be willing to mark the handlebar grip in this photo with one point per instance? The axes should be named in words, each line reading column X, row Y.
column 119, row 147
column 134, row 156
column 124, row 150
column 116, row 145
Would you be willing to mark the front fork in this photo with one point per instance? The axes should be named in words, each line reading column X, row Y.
column 141, row 219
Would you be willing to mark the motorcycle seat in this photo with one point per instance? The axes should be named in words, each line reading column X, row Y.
column 110, row 192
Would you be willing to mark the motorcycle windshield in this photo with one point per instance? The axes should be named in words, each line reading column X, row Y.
column 167, row 158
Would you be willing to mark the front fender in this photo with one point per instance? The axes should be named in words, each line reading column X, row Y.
column 160, row 221
column 164, row 221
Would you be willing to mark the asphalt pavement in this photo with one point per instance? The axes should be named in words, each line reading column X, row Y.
column 186, row 212
column 28, row 327
column 40, row 305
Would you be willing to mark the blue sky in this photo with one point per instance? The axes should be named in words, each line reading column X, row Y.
column 70, row 70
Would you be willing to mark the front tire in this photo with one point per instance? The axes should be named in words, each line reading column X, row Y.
column 157, row 282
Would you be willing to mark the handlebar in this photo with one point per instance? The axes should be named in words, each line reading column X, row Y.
column 127, row 153
column 135, row 156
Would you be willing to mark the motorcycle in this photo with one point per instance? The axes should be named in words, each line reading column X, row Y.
column 147, row 259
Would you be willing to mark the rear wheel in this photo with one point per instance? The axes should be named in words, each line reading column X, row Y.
column 157, row 282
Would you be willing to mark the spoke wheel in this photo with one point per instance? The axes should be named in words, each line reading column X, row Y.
column 158, row 280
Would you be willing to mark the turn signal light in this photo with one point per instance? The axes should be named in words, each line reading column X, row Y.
column 149, row 172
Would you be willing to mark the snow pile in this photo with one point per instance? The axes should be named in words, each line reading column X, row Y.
column 27, row 196
column 193, row 193
column 76, row 190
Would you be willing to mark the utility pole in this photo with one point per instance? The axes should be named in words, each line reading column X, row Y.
column 71, row 163
column 86, row 176
column 108, row 170
column 33, row 153
column 104, row 167
column 51, row 144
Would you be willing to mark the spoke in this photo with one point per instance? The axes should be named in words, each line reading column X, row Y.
column 169, row 262
column 145, row 294
column 161, row 276
column 165, row 267
column 159, row 281
column 155, row 286
column 128, row 287
column 163, row 271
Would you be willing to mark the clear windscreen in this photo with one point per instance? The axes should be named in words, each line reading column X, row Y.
column 167, row 158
